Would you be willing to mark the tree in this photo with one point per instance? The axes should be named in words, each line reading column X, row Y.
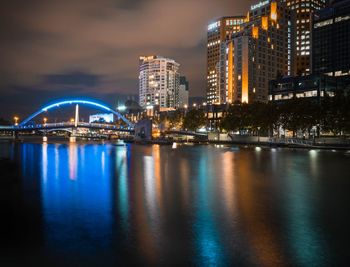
column 175, row 119
column 238, row 118
column 335, row 113
column 272, row 116
column 231, row 121
column 194, row 119
column 291, row 115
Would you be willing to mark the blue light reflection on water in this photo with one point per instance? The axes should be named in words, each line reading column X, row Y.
column 76, row 201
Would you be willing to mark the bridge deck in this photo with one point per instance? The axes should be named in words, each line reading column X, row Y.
column 65, row 125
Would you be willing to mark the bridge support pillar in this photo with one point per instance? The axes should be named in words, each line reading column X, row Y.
column 15, row 136
column 143, row 130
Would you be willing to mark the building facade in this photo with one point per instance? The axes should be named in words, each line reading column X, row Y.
column 101, row 118
column 183, row 92
column 258, row 53
column 310, row 86
column 331, row 39
column 218, row 32
column 159, row 82
column 302, row 11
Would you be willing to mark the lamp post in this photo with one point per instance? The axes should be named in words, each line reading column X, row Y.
column 185, row 109
column 16, row 120
column 259, row 134
column 45, row 137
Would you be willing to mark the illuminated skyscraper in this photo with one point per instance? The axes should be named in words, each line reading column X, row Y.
column 218, row 32
column 302, row 11
column 258, row 53
column 159, row 82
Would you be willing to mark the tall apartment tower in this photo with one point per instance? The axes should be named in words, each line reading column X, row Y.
column 302, row 11
column 159, row 82
column 259, row 52
column 218, row 32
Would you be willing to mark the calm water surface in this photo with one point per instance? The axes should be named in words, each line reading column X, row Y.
column 106, row 205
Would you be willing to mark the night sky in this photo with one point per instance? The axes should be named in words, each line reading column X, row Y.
column 54, row 49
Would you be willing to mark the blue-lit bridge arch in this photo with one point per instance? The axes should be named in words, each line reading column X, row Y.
column 91, row 103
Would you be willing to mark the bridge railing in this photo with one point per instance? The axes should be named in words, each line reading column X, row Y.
column 65, row 125
column 292, row 141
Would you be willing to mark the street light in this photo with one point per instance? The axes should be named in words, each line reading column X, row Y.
column 71, row 120
column 121, row 108
column 45, row 120
column 16, row 120
column 259, row 134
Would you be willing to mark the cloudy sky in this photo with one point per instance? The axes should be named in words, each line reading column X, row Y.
column 50, row 48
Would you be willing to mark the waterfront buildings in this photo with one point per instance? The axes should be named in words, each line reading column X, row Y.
column 302, row 11
column 330, row 52
column 218, row 32
column 159, row 81
column 331, row 39
column 183, row 92
column 259, row 52
column 310, row 86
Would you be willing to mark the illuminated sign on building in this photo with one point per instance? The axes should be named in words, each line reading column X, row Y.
column 261, row 4
column 213, row 25
column 101, row 118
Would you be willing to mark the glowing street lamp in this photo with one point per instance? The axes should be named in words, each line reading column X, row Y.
column 71, row 120
column 16, row 120
column 194, row 105
column 121, row 108
column 45, row 120
column 185, row 106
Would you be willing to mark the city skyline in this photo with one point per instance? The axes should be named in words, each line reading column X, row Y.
column 59, row 49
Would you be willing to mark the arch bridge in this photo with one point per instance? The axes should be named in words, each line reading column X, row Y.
column 28, row 125
column 91, row 103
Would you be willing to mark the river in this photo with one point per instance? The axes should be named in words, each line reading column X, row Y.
column 108, row 205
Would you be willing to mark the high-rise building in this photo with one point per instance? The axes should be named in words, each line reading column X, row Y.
column 218, row 32
column 159, row 82
column 302, row 11
column 183, row 92
column 258, row 53
column 331, row 39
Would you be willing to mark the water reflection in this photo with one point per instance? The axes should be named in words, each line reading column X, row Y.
column 151, row 205
column 123, row 193
column 228, row 187
column 260, row 232
column 306, row 241
column 209, row 246
column 73, row 207
column 73, row 157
